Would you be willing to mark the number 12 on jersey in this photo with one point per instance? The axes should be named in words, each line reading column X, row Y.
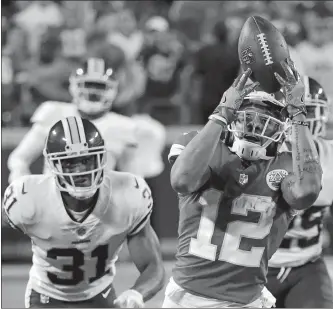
column 235, row 230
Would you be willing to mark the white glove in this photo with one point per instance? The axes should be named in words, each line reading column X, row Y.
column 232, row 99
column 129, row 299
column 267, row 299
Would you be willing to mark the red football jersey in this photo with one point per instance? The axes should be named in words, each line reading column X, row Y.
column 229, row 229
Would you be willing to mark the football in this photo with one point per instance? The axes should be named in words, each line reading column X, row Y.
column 261, row 47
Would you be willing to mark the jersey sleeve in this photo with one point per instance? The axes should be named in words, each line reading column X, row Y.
column 119, row 134
column 141, row 205
column 179, row 145
column 47, row 113
column 17, row 204
column 146, row 159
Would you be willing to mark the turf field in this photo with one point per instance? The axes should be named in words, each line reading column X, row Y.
column 14, row 278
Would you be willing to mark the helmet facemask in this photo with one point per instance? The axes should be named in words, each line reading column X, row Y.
column 316, row 117
column 81, row 183
column 316, row 103
column 93, row 95
column 256, row 127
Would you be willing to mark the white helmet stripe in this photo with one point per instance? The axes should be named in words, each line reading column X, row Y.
column 74, row 130
column 95, row 66
column 81, row 129
column 67, row 132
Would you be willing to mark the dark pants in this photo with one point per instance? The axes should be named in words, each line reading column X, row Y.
column 305, row 287
column 37, row 300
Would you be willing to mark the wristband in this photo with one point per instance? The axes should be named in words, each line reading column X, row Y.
column 218, row 120
column 301, row 123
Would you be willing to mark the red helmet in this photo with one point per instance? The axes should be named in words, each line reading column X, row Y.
column 76, row 154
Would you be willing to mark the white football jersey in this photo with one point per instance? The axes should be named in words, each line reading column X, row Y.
column 75, row 261
column 125, row 138
column 302, row 241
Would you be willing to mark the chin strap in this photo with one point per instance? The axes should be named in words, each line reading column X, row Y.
column 248, row 151
column 78, row 193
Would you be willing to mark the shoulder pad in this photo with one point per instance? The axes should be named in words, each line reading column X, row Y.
column 141, row 204
column 18, row 202
column 119, row 127
column 50, row 112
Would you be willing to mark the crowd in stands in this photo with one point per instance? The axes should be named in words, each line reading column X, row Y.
column 175, row 58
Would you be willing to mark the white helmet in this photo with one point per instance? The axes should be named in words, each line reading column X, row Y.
column 317, row 107
column 93, row 87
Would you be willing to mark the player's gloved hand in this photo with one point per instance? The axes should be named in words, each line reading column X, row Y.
column 293, row 88
column 267, row 298
column 232, row 99
column 129, row 299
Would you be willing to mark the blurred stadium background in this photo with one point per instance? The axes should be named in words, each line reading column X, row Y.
column 177, row 58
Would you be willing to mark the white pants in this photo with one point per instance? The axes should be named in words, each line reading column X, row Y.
column 177, row 297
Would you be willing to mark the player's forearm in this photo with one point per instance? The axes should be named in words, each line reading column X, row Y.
column 151, row 281
column 303, row 147
column 146, row 254
column 302, row 188
column 191, row 169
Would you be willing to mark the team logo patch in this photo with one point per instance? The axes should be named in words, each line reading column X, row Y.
column 243, row 179
column 247, row 56
column 274, row 178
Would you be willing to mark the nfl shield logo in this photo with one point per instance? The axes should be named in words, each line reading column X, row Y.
column 81, row 231
column 243, row 179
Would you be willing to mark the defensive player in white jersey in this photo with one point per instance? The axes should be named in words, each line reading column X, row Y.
column 298, row 276
column 78, row 218
column 94, row 87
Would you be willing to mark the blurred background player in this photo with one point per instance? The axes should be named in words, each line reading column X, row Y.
column 298, row 276
column 78, row 218
column 236, row 202
column 94, row 87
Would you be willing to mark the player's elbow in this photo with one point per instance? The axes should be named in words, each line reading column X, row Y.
column 308, row 194
column 311, row 191
column 182, row 182
column 179, row 184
